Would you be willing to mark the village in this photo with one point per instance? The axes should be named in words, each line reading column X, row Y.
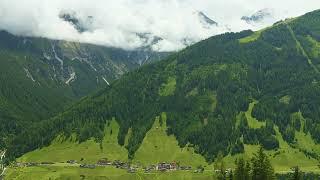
column 129, row 167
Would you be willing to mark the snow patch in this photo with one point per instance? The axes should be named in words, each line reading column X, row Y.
column 45, row 55
column 106, row 81
column 72, row 78
column 57, row 57
column 29, row 74
column 2, row 155
column 3, row 171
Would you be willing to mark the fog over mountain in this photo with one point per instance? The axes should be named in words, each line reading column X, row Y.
column 169, row 24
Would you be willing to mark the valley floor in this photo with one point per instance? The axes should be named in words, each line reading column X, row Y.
column 69, row 172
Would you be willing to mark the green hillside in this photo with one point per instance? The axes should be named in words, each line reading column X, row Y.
column 62, row 150
column 226, row 94
column 41, row 77
column 157, row 146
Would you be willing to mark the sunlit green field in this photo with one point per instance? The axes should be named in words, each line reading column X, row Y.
column 62, row 150
column 157, row 146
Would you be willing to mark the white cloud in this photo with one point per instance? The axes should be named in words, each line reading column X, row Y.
column 117, row 22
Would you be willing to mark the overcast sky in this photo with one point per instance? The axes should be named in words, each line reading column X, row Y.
column 117, row 22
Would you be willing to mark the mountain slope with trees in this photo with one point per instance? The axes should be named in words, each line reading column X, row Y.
column 40, row 77
column 204, row 91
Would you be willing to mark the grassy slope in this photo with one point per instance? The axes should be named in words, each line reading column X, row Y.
column 251, row 38
column 157, row 146
column 286, row 156
column 61, row 151
column 169, row 88
column 253, row 122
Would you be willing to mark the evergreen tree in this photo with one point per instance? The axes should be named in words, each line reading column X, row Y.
column 239, row 173
column 219, row 165
column 297, row 175
column 247, row 171
column 261, row 167
column 242, row 170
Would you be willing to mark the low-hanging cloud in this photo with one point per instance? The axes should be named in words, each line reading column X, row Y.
column 165, row 25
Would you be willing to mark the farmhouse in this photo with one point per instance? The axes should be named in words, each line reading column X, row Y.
column 104, row 162
column 90, row 166
column 71, row 161
column 166, row 166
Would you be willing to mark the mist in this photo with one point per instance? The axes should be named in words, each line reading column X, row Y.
column 165, row 25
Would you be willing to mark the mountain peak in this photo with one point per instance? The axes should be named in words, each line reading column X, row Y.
column 259, row 16
column 81, row 24
column 205, row 20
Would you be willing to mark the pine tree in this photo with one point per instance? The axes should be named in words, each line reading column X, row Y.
column 297, row 175
column 247, row 171
column 242, row 170
column 219, row 165
column 261, row 167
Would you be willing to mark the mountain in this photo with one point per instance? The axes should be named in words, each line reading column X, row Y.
column 206, row 21
column 40, row 77
column 259, row 17
column 224, row 94
column 80, row 24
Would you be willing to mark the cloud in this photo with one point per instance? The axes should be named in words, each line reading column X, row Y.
column 120, row 23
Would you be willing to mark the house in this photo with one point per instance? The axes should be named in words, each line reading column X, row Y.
column 72, row 161
column 166, row 166
column 132, row 170
column 173, row 166
column 90, row 166
column 30, row 164
column 149, row 168
column 121, row 165
column 104, row 162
